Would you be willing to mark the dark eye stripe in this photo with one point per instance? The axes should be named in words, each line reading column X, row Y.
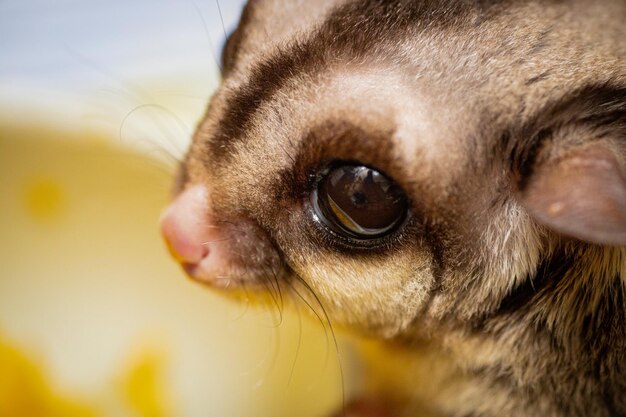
column 359, row 202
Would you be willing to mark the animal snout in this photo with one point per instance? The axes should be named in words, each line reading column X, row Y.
column 211, row 250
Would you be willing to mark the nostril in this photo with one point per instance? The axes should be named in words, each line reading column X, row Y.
column 190, row 269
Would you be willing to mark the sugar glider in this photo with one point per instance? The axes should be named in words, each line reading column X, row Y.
column 446, row 177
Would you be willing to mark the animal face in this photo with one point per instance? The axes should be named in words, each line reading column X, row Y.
column 407, row 163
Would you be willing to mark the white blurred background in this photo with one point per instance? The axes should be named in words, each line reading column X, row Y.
column 90, row 63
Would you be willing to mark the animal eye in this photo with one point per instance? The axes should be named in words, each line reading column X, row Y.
column 358, row 202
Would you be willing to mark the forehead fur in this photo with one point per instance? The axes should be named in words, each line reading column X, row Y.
column 494, row 49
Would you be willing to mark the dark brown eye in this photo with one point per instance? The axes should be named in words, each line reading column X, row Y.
column 359, row 202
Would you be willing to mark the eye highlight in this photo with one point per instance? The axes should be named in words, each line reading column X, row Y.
column 358, row 202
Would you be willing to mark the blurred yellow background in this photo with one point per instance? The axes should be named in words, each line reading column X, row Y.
column 96, row 320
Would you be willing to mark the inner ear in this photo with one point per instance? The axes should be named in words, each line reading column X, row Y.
column 581, row 194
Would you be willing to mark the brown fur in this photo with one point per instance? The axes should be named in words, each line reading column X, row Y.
column 480, row 306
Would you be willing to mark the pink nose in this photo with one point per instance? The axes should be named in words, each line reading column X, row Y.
column 190, row 236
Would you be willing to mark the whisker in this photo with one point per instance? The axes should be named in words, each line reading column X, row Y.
column 133, row 91
column 164, row 131
column 219, row 10
column 226, row 239
column 315, row 313
column 271, row 356
column 208, row 36
column 232, row 224
column 164, row 155
column 211, row 226
column 275, row 347
column 246, row 301
column 321, row 321
column 275, row 302
column 170, row 94
column 334, row 338
column 274, row 278
column 280, row 291
column 295, row 359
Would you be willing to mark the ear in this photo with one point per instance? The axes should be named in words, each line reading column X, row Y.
column 581, row 195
